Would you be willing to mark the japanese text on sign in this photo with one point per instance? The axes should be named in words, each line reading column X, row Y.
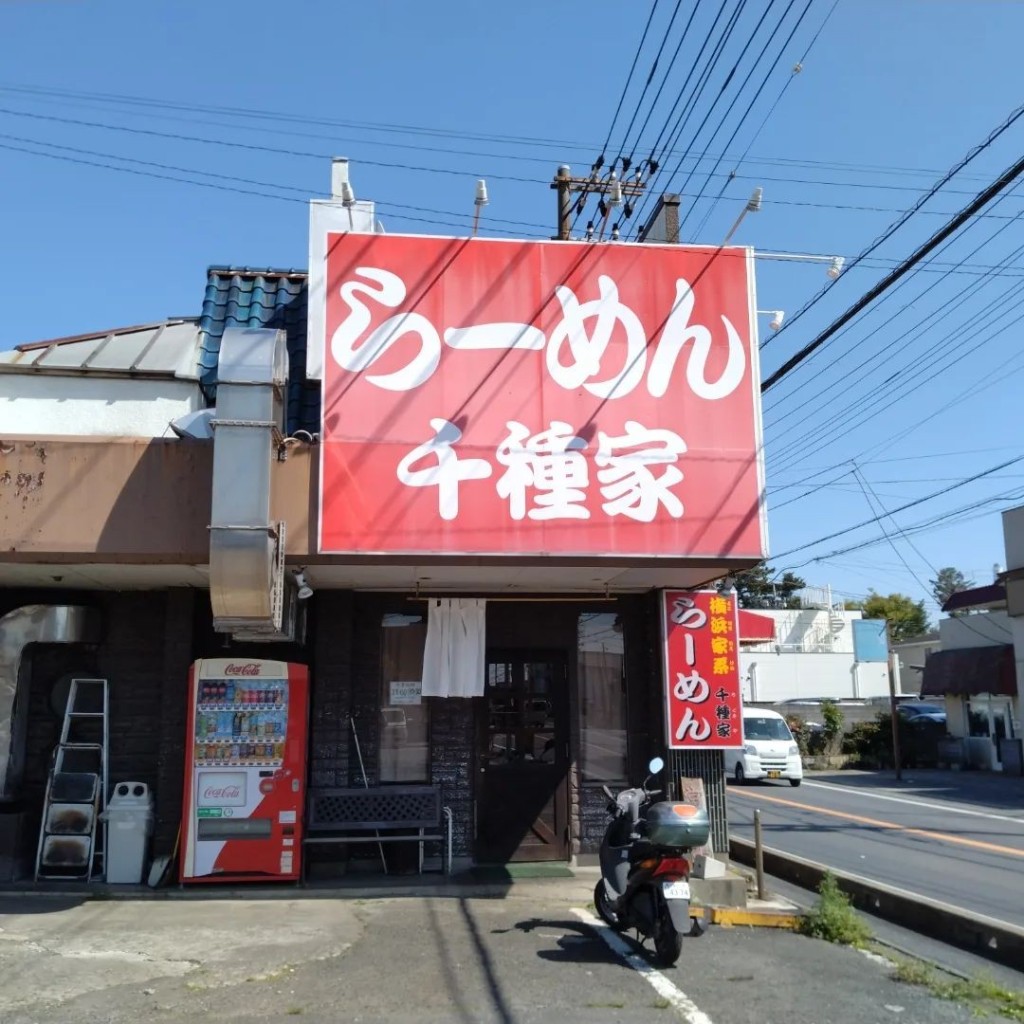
column 520, row 397
column 703, row 703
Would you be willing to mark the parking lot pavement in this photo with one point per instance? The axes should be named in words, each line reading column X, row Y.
column 519, row 960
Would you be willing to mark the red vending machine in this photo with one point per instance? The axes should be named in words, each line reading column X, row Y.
column 245, row 770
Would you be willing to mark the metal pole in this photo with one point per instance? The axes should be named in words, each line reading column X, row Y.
column 366, row 784
column 897, row 757
column 758, row 854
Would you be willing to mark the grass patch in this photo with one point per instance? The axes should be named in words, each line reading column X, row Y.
column 661, row 1003
column 294, row 1011
column 983, row 995
column 833, row 917
column 611, row 1005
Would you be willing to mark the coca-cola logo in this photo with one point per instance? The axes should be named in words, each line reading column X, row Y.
column 222, row 792
column 242, row 670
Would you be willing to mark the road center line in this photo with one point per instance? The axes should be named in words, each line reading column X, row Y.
column 942, row 837
column 675, row 996
column 852, row 791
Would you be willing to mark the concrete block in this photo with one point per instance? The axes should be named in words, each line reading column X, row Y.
column 708, row 867
column 730, row 891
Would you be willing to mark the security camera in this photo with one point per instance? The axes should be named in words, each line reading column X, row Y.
column 305, row 591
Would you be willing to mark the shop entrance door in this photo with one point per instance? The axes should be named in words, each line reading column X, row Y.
column 522, row 791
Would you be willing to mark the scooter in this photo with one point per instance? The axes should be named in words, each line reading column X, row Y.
column 645, row 879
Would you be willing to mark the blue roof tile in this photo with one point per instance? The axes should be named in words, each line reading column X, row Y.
column 247, row 297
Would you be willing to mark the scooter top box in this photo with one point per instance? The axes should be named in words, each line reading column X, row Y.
column 677, row 824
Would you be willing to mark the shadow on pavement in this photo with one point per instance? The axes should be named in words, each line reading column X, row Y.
column 39, row 904
column 579, row 944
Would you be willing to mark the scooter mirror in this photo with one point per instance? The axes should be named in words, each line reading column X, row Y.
column 655, row 766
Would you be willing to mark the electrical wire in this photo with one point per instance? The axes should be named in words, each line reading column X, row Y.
column 629, row 79
column 664, row 82
column 750, row 105
column 179, row 137
column 982, row 199
column 902, row 508
column 650, row 75
column 900, row 221
column 898, row 376
column 655, row 162
column 848, row 350
column 797, row 69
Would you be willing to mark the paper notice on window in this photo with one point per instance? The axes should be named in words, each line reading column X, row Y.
column 404, row 693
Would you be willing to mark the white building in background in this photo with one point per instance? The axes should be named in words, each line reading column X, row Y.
column 812, row 655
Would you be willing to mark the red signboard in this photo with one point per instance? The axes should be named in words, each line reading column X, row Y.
column 702, row 676
column 503, row 397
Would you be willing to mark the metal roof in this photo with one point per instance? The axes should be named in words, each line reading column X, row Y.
column 167, row 349
column 253, row 297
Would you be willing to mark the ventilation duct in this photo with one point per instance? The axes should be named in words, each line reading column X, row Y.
column 33, row 624
column 247, row 578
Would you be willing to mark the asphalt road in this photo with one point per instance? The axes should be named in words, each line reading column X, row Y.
column 526, row 959
column 952, row 837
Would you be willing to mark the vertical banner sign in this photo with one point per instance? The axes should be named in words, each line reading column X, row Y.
column 537, row 398
column 702, row 675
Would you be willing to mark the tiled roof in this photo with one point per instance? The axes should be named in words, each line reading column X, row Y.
column 248, row 297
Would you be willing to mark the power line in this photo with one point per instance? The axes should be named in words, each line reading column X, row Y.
column 982, row 199
column 974, row 286
column 625, row 88
column 753, row 100
column 797, row 68
column 250, row 146
column 650, row 75
column 902, row 508
column 900, row 221
column 656, row 159
column 888, row 393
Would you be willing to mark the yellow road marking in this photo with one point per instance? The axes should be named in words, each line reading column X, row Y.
column 942, row 837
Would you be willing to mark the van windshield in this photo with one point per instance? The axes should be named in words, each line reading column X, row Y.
column 766, row 729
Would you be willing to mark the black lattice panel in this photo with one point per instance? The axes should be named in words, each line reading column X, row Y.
column 376, row 808
column 708, row 765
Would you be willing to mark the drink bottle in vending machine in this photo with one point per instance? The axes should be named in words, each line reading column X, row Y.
column 245, row 768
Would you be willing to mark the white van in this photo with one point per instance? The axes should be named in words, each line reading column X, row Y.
column 769, row 750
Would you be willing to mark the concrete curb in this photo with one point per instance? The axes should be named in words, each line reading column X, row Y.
column 993, row 939
column 734, row 917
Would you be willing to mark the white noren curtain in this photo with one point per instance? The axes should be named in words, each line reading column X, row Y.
column 453, row 658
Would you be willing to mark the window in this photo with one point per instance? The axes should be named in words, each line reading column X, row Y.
column 765, row 729
column 404, row 719
column 602, row 687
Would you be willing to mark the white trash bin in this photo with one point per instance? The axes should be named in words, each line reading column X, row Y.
column 129, row 817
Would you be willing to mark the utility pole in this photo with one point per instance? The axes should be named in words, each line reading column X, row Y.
column 896, row 753
column 565, row 185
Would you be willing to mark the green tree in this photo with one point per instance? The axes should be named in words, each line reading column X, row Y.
column 948, row 581
column 905, row 616
column 757, row 588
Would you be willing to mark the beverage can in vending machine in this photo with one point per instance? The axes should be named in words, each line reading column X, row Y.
column 229, row 692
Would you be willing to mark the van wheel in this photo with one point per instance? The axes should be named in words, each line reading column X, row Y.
column 795, row 782
column 739, row 776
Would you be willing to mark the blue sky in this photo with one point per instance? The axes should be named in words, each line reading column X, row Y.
column 891, row 95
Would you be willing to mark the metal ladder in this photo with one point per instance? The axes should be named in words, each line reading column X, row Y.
column 72, row 843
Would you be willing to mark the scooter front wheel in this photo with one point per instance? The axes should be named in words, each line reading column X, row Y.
column 604, row 907
column 668, row 943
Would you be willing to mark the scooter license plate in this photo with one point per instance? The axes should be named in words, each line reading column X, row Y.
column 675, row 890
column 775, row 775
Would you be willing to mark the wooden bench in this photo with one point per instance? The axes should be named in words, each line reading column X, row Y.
column 374, row 815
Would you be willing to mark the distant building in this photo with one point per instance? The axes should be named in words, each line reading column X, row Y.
column 811, row 655
column 910, row 657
